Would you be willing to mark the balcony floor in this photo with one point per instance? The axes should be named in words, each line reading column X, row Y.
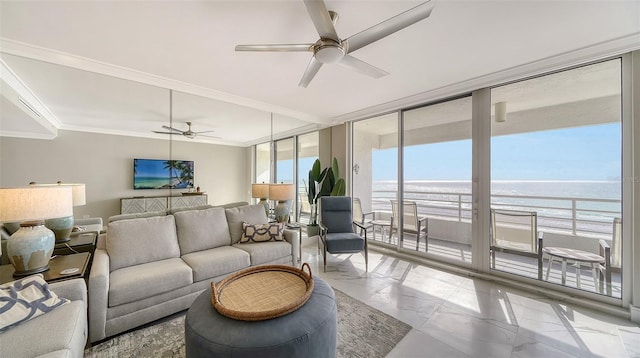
column 515, row 264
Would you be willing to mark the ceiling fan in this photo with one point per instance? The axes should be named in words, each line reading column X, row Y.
column 188, row 133
column 330, row 49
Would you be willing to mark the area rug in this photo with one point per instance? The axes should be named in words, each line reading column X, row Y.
column 363, row 331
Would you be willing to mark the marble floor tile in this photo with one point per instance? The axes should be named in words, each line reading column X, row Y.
column 458, row 316
column 419, row 344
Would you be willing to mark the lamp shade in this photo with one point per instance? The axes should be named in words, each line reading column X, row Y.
column 78, row 192
column 260, row 191
column 281, row 192
column 35, row 203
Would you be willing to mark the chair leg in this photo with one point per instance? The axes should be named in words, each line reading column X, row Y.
column 366, row 257
column 493, row 259
column 325, row 259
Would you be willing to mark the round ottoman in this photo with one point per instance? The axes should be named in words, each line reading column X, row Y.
column 310, row 331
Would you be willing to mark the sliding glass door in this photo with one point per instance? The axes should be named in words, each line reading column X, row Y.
column 435, row 214
column 556, row 174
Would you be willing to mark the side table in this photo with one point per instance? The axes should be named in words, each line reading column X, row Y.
column 84, row 241
column 56, row 266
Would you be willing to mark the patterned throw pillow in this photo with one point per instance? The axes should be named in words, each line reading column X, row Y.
column 261, row 232
column 25, row 299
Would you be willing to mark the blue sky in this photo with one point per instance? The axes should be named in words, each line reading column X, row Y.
column 579, row 153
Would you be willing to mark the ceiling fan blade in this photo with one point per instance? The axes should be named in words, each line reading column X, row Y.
column 208, row 136
column 321, row 19
column 172, row 129
column 360, row 66
column 166, row 132
column 204, row 132
column 389, row 26
column 312, row 68
column 275, row 48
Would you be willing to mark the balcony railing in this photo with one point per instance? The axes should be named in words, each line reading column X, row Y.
column 571, row 215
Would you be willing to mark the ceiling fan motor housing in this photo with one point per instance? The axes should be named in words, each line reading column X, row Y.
column 328, row 51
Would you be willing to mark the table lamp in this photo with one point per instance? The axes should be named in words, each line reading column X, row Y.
column 63, row 226
column 29, row 249
column 261, row 191
column 282, row 193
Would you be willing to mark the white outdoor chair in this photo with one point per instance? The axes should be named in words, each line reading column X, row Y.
column 516, row 232
column 412, row 224
column 612, row 255
column 361, row 217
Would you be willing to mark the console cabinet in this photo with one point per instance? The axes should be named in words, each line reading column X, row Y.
column 159, row 203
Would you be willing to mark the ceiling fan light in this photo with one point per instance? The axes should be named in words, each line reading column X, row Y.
column 190, row 135
column 329, row 54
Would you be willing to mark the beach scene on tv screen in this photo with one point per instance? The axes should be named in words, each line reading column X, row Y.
column 162, row 174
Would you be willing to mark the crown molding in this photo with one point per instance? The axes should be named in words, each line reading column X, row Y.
column 27, row 101
column 34, row 52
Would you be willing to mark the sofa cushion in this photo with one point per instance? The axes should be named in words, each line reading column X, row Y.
column 25, row 299
column 136, row 215
column 61, row 330
column 261, row 232
column 248, row 213
column 216, row 262
column 135, row 283
column 202, row 229
column 138, row 241
column 265, row 252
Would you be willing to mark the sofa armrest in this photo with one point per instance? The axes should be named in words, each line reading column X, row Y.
column 98, row 295
column 101, row 242
column 73, row 290
column 291, row 235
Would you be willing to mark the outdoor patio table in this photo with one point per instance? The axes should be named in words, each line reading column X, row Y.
column 578, row 256
column 383, row 224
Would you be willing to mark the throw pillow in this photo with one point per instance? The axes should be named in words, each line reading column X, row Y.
column 25, row 299
column 262, row 232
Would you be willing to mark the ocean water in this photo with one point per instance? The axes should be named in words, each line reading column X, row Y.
column 591, row 204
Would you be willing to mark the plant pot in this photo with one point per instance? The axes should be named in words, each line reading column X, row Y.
column 313, row 230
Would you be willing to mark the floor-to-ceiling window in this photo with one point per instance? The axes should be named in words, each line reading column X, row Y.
column 375, row 172
column 308, row 152
column 436, row 209
column 263, row 163
column 555, row 178
column 284, row 166
column 556, row 167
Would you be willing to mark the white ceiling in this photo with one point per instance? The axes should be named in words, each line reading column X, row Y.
column 106, row 66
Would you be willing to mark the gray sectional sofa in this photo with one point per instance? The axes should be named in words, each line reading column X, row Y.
column 146, row 268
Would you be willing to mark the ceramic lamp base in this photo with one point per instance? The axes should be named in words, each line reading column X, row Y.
column 61, row 228
column 282, row 212
column 265, row 203
column 30, row 248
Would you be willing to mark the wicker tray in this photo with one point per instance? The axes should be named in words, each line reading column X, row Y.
column 262, row 292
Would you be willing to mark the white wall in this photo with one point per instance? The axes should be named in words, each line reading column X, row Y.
column 105, row 164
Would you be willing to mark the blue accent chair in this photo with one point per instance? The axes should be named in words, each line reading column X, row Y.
column 337, row 229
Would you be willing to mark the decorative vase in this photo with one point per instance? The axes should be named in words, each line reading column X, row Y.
column 30, row 248
column 61, row 228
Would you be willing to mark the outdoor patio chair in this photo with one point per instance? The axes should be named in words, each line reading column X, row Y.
column 304, row 209
column 362, row 218
column 516, row 232
column 337, row 234
column 612, row 256
column 412, row 224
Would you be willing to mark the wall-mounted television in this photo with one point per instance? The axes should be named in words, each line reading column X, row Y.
column 162, row 174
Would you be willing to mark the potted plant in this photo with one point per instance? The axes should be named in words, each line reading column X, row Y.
column 325, row 182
